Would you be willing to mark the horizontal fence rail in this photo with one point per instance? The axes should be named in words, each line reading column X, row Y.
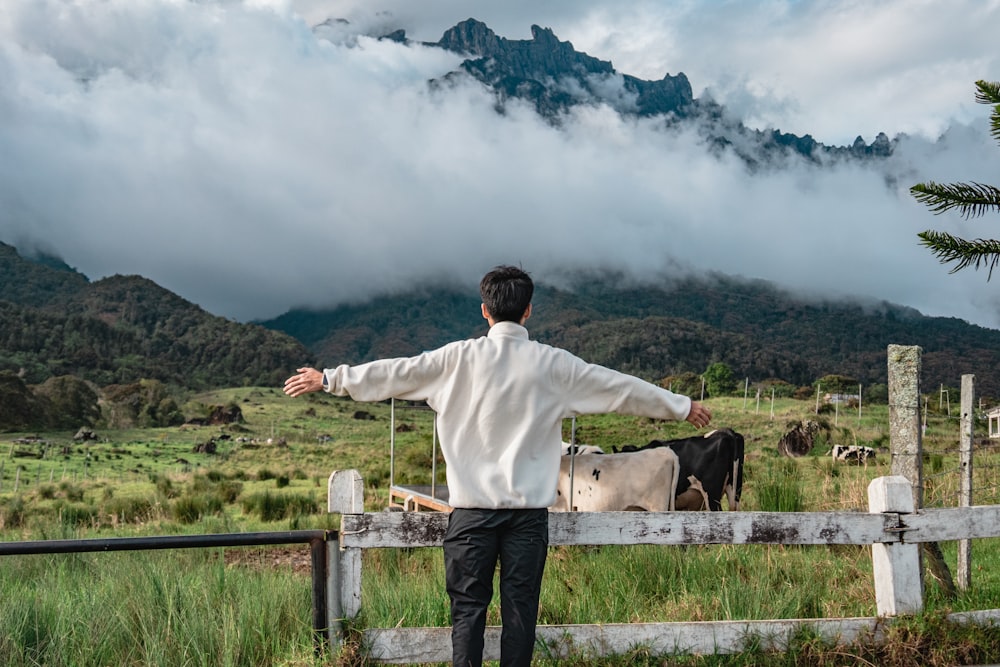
column 316, row 539
column 426, row 529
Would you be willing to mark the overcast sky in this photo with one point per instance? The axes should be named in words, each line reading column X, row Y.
column 251, row 164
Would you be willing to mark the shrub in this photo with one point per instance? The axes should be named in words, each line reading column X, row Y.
column 12, row 513
column 164, row 486
column 192, row 507
column 200, row 484
column 76, row 515
column 72, row 492
column 128, row 510
column 273, row 507
column 229, row 491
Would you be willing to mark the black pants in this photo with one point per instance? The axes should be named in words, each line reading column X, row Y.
column 474, row 542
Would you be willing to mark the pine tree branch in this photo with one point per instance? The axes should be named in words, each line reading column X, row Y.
column 975, row 253
column 988, row 92
column 971, row 199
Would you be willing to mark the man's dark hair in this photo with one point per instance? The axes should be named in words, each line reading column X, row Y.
column 506, row 291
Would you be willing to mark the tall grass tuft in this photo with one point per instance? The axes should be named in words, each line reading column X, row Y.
column 192, row 507
column 155, row 609
column 276, row 506
column 779, row 489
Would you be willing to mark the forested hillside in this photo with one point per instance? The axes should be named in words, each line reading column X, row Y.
column 54, row 322
column 655, row 331
column 133, row 342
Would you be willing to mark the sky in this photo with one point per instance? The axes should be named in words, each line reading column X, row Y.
column 252, row 163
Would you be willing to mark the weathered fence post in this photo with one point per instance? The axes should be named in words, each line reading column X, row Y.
column 904, row 417
column 965, row 466
column 345, row 495
column 896, row 567
column 905, row 442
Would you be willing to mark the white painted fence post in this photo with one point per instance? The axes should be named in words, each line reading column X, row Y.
column 345, row 495
column 896, row 566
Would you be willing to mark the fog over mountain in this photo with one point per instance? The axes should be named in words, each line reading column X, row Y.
column 258, row 155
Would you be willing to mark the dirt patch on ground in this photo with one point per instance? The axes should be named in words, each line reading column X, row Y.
column 295, row 558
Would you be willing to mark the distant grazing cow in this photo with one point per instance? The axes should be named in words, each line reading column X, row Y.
column 618, row 482
column 580, row 449
column 714, row 461
column 852, row 453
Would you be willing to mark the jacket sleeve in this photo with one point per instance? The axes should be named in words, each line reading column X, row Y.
column 407, row 378
column 598, row 389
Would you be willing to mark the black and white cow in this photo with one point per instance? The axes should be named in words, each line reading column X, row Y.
column 710, row 466
column 580, row 449
column 852, row 453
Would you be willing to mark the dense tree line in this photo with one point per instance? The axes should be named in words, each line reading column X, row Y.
column 65, row 342
column 129, row 329
column 674, row 327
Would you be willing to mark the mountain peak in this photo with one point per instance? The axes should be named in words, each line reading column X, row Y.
column 553, row 76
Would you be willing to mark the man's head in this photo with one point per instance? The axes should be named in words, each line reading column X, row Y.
column 506, row 292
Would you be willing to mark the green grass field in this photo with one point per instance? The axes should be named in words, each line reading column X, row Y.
column 251, row 606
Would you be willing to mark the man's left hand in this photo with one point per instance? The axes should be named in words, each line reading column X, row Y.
column 305, row 381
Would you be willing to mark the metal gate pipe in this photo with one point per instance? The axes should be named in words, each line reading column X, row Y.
column 317, row 540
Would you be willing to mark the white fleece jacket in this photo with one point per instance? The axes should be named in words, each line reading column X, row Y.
column 500, row 401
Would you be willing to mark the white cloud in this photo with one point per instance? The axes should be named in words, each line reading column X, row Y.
column 226, row 151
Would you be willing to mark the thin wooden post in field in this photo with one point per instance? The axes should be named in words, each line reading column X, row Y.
column 896, row 567
column 964, row 570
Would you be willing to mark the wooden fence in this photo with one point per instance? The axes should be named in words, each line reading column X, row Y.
column 893, row 528
column 896, row 527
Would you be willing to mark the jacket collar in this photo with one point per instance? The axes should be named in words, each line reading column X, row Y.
column 507, row 329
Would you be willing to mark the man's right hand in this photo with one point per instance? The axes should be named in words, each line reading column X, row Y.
column 699, row 416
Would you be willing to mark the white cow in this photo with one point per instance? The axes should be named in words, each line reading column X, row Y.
column 645, row 480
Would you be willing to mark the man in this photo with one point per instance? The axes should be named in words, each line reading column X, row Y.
column 500, row 402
